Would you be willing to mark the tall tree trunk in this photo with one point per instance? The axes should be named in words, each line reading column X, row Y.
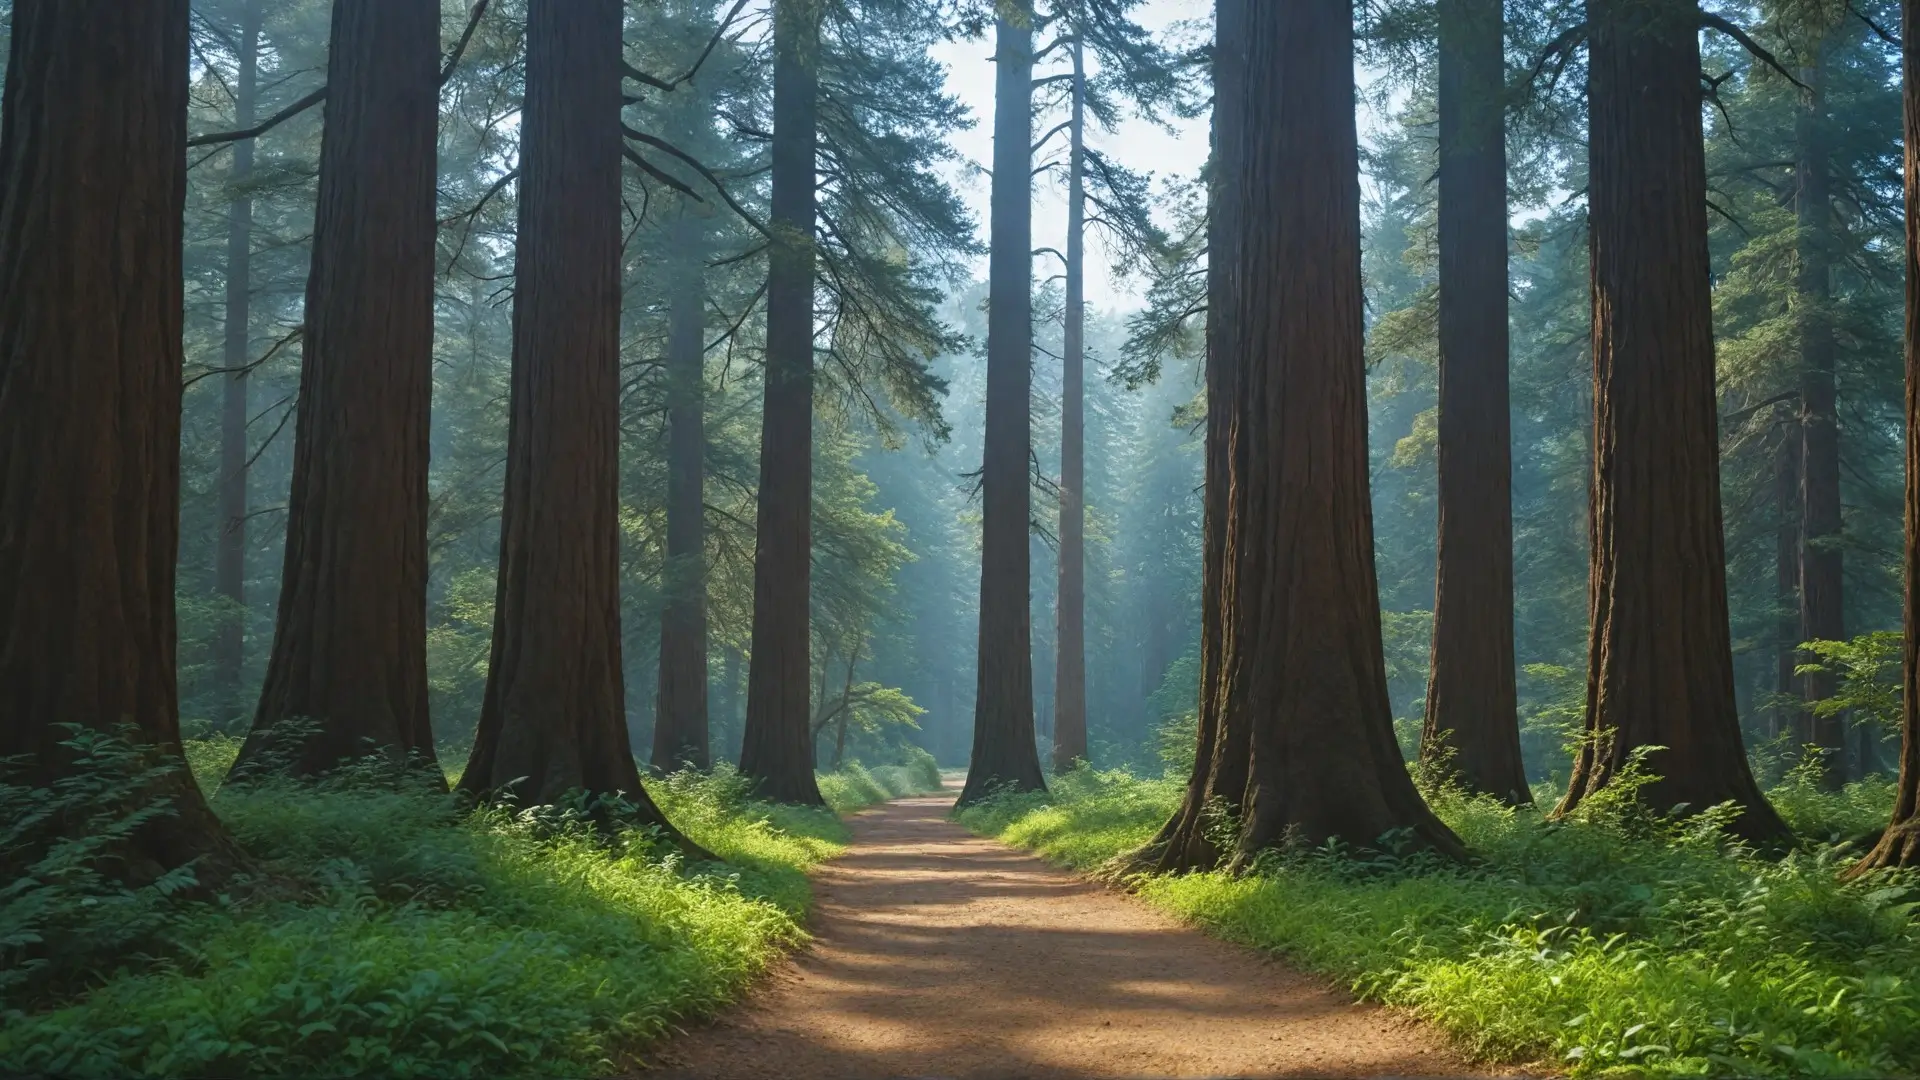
column 348, row 671
column 554, row 716
column 93, row 149
column 1219, row 777
column 1301, row 671
column 1789, row 717
column 1472, row 720
column 1822, row 616
column 777, row 747
column 1070, row 631
column 680, row 715
column 230, row 547
column 1660, row 667
column 1900, row 844
column 1003, row 731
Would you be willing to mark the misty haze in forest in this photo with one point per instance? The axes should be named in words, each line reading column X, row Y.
column 1423, row 488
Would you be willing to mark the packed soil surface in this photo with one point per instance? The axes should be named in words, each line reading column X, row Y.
column 941, row 954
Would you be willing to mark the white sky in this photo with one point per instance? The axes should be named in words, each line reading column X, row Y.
column 1137, row 144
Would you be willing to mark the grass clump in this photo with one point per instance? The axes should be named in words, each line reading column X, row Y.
column 392, row 933
column 1614, row 945
column 855, row 786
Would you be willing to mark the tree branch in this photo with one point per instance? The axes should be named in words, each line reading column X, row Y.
column 651, row 170
column 460, row 49
column 1716, row 22
column 706, row 173
column 264, row 126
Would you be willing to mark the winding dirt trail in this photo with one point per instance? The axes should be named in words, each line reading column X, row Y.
column 941, row 954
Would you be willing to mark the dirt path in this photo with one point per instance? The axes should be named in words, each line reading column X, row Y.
column 940, row 954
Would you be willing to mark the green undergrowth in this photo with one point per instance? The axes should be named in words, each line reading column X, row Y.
column 1618, row 945
column 388, row 932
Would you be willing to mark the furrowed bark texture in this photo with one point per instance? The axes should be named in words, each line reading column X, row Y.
column 555, row 706
column 1472, row 722
column 1900, row 844
column 1660, row 667
column 1219, row 777
column 777, row 747
column 1788, row 717
column 1301, row 671
column 1070, row 632
column 680, row 713
column 1822, row 584
column 348, row 673
column 230, row 547
column 92, row 189
column 1004, row 754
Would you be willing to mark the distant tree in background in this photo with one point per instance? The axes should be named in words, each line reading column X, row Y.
column 680, row 734
column 1004, row 754
column 230, row 561
column 1472, row 727
column 777, row 749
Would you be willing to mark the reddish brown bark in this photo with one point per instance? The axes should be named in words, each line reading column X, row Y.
column 1660, row 668
column 93, row 156
column 1822, row 584
column 1472, row 727
column 776, row 748
column 1070, row 630
column 680, row 710
column 348, row 673
column 1300, row 670
column 1219, row 777
column 1900, row 844
column 1788, row 716
column 230, row 547
column 553, row 721
column 1004, row 755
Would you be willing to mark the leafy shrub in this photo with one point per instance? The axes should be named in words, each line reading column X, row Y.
column 1622, row 942
column 404, row 936
column 66, row 903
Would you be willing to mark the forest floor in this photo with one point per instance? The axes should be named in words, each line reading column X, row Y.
column 938, row 953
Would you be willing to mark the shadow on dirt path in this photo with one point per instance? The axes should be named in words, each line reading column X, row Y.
column 941, row 954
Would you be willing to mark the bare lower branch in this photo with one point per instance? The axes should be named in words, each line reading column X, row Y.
column 264, row 126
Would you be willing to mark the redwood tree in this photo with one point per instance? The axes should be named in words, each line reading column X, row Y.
column 1003, row 735
column 777, row 746
column 230, row 547
column 1660, row 666
column 1900, row 844
column 1070, row 632
column 348, row 671
column 680, row 713
column 93, row 148
column 1472, row 725
column 1296, row 685
column 1220, row 757
column 553, row 721
column 1822, row 584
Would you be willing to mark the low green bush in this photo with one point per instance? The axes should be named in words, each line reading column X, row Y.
column 390, row 932
column 855, row 786
column 1606, row 946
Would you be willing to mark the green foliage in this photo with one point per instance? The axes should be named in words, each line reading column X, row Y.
column 1868, row 670
column 67, row 916
column 856, row 786
column 1605, row 945
column 393, row 932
